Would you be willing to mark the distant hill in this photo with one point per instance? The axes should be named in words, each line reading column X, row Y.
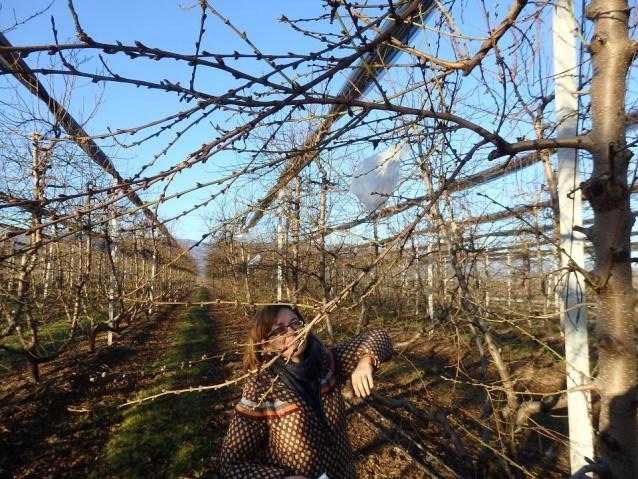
column 198, row 253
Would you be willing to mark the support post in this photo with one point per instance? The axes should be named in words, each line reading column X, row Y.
column 573, row 318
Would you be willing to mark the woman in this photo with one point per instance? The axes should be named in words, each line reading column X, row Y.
column 290, row 421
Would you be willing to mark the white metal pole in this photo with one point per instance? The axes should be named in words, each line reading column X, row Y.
column 574, row 318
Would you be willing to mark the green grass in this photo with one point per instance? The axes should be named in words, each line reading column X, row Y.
column 51, row 335
column 168, row 437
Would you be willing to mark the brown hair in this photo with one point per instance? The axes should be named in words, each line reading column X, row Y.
column 262, row 324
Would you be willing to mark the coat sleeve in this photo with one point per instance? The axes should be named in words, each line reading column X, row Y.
column 246, row 442
column 376, row 344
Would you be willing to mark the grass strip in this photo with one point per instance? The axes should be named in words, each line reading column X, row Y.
column 51, row 335
column 168, row 437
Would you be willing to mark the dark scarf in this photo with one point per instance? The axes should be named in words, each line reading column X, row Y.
column 304, row 377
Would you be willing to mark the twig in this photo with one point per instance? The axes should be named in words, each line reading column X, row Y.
column 425, row 469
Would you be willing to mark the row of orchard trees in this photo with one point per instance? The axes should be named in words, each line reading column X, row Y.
column 418, row 281
column 75, row 269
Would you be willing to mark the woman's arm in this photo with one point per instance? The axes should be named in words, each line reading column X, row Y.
column 359, row 356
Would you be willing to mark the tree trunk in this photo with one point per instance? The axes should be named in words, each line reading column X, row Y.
column 295, row 233
column 608, row 193
column 323, row 213
column 280, row 246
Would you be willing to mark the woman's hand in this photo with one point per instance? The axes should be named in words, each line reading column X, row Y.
column 362, row 381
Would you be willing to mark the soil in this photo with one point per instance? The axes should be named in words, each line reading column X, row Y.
column 59, row 428
column 44, row 430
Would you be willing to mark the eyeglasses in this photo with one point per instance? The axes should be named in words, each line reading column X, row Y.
column 295, row 324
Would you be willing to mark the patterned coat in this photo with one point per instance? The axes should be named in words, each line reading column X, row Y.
column 274, row 433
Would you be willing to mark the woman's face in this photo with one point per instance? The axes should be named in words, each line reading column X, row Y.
column 283, row 336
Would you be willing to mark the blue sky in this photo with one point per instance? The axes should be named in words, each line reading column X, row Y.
column 174, row 25
column 167, row 25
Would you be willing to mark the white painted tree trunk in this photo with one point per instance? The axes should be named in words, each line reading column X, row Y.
column 417, row 279
column 487, row 280
column 574, row 318
column 47, row 270
column 69, row 266
column 323, row 215
column 509, row 280
column 113, row 253
column 151, row 289
column 446, row 280
column 280, row 247
column 430, row 257
column 295, row 231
